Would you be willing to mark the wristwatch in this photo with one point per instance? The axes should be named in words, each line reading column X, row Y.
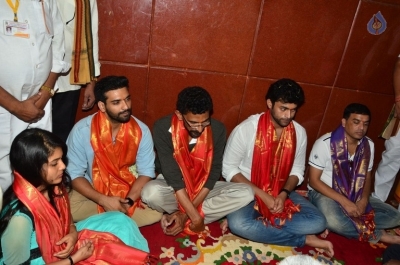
column 130, row 201
column 48, row 89
column 285, row 191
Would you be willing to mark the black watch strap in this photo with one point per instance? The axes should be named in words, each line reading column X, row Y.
column 130, row 201
column 286, row 191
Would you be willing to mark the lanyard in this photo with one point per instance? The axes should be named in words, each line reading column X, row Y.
column 14, row 8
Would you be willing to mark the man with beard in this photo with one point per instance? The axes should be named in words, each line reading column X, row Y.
column 111, row 157
column 340, row 181
column 189, row 145
column 267, row 151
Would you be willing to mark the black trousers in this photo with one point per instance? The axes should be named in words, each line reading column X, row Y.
column 65, row 106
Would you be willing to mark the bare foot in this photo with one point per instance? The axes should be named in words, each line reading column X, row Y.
column 224, row 226
column 314, row 241
column 391, row 239
column 324, row 234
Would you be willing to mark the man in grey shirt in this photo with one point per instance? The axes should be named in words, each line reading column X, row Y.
column 189, row 147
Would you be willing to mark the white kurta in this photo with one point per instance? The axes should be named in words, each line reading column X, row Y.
column 25, row 66
column 67, row 11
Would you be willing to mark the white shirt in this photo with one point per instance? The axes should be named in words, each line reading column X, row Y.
column 27, row 62
column 238, row 155
column 25, row 66
column 67, row 11
column 320, row 157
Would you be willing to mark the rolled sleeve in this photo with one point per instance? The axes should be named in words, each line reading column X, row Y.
column 95, row 35
column 236, row 151
column 78, row 161
column 145, row 156
column 57, row 45
column 300, row 156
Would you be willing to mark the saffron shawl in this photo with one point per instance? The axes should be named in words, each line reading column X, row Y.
column 195, row 165
column 51, row 227
column 110, row 172
column 272, row 163
column 82, row 63
column 350, row 180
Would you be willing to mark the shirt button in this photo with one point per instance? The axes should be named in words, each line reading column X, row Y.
column 38, row 66
column 33, row 44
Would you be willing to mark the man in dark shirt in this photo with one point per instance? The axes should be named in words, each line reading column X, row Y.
column 189, row 145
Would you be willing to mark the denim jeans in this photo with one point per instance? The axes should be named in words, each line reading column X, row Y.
column 385, row 216
column 245, row 223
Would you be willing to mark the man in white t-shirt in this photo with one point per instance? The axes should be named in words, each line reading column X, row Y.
column 340, row 181
column 267, row 151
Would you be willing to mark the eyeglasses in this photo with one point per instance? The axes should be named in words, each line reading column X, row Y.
column 195, row 125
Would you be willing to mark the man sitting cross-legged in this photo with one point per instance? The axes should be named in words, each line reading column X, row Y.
column 340, row 181
column 111, row 157
column 267, row 151
column 189, row 145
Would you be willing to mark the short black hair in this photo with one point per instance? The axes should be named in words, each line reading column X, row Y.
column 287, row 91
column 194, row 99
column 109, row 83
column 356, row 108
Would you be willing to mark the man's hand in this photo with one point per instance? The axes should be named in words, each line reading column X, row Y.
column 88, row 98
column 268, row 200
column 45, row 96
column 279, row 203
column 350, row 207
column 113, row 203
column 173, row 224
column 197, row 225
column 361, row 206
column 397, row 110
column 28, row 111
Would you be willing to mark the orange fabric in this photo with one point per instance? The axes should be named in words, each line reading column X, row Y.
column 51, row 227
column 195, row 165
column 82, row 62
column 110, row 173
column 272, row 162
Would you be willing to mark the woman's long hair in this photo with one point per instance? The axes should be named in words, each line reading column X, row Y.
column 29, row 151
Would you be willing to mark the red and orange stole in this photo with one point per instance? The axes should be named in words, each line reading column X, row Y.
column 51, row 227
column 110, row 173
column 195, row 165
column 272, row 162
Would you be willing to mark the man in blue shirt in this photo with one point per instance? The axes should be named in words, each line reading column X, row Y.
column 111, row 157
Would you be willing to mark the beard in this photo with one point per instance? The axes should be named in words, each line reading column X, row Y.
column 194, row 134
column 281, row 122
column 122, row 117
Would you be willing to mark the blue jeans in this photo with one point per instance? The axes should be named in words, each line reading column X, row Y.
column 385, row 216
column 245, row 223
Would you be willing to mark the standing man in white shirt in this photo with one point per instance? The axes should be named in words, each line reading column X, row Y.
column 390, row 164
column 76, row 32
column 32, row 52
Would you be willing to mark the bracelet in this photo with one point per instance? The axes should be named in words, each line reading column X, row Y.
column 70, row 260
column 397, row 99
column 286, row 191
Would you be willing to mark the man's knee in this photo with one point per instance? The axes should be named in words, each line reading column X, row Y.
column 240, row 194
column 81, row 207
column 150, row 193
